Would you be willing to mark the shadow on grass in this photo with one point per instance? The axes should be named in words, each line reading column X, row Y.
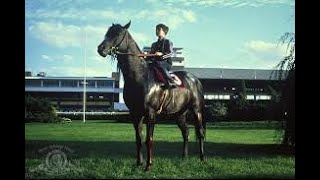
column 106, row 149
column 210, row 125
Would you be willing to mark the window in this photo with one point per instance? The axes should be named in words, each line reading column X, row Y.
column 210, row 97
column 226, row 96
column 33, row 83
column 250, row 97
column 51, row 83
column 104, row 83
column 263, row 97
column 69, row 83
column 216, row 96
column 91, row 83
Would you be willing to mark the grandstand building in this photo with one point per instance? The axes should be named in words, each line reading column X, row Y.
column 66, row 93
column 221, row 84
column 104, row 94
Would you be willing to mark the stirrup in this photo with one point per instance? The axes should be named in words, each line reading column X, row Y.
column 172, row 85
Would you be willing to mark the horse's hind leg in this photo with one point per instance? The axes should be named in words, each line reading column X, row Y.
column 200, row 133
column 185, row 133
column 138, row 126
column 149, row 139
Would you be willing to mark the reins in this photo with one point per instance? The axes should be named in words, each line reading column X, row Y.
column 114, row 49
column 116, row 52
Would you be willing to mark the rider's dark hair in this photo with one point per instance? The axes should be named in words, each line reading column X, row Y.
column 164, row 28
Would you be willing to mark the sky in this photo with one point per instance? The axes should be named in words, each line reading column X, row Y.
column 61, row 35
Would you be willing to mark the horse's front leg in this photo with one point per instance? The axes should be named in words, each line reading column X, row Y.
column 149, row 139
column 138, row 126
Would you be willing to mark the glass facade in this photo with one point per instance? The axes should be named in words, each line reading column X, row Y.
column 69, row 83
column 50, row 83
column 32, row 83
column 105, row 84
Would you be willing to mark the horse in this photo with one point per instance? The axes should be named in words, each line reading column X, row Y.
column 147, row 100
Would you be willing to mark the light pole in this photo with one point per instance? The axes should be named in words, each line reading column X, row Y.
column 85, row 79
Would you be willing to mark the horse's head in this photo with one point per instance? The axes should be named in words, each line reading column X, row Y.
column 115, row 39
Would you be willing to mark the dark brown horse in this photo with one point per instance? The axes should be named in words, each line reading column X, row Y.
column 146, row 99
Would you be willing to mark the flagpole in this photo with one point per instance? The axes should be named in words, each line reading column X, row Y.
column 85, row 79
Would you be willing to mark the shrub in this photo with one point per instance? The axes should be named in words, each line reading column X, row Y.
column 217, row 111
column 40, row 110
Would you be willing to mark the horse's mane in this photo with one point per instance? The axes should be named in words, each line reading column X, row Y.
column 114, row 31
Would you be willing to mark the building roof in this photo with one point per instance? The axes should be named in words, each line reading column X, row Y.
column 224, row 73
column 73, row 89
column 68, row 78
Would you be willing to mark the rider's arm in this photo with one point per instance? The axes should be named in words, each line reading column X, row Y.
column 168, row 49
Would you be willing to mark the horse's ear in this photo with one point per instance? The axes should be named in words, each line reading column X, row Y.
column 127, row 25
column 112, row 24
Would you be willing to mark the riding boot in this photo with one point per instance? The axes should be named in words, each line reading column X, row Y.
column 169, row 80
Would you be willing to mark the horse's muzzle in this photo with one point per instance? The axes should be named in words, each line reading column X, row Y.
column 102, row 52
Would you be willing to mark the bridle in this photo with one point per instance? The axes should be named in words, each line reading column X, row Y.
column 114, row 51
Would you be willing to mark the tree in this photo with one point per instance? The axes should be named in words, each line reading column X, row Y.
column 39, row 109
column 238, row 103
column 243, row 95
column 286, row 69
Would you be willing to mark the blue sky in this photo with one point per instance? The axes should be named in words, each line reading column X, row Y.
column 213, row 33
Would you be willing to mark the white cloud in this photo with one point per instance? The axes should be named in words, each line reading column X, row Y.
column 46, row 57
column 63, row 35
column 258, row 46
column 189, row 15
column 255, row 54
column 67, row 59
column 77, row 71
column 152, row 1
column 178, row 16
column 57, row 34
column 140, row 38
column 258, row 53
column 230, row 3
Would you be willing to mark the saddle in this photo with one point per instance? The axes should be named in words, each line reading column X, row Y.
column 160, row 77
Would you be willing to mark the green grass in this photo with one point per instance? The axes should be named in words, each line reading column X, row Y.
column 101, row 149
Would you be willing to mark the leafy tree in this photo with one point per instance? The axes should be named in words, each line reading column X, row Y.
column 40, row 109
column 219, row 111
column 238, row 106
column 286, row 71
column 275, row 107
column 242, row 100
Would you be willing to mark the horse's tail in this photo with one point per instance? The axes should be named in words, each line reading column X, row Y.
column 204, row 118
column 203, row 122
column 202, row 107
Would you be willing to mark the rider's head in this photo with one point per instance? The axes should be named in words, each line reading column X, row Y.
column 161, row 30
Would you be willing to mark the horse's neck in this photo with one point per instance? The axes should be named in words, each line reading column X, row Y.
column 133, row 67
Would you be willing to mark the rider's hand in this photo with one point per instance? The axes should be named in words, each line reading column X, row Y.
column 159, row 53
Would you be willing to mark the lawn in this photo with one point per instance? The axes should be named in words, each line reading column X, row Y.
column 106, row 149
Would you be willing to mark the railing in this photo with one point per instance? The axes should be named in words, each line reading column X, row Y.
column 92, row 113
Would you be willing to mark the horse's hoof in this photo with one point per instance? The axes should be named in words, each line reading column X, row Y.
column 203, row 158
column 148, row 167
